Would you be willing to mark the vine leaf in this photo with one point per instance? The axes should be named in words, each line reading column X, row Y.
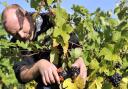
column 124, row 83
column 94, row 64
column 107, row 85
column 61, row 33
column 41, row 37
column 54, row 56
column 99, row 82
column 55, row 43
column 75, row 53
column 67, row 84
column 22, row 44
column 125, row 80
column 116, row 36
column 104, row 69
column 105, row 52
column 79, row 82
column 34, row 3
column 50, row 2
column 66, row 30
column 96, row 84
column 65, row 49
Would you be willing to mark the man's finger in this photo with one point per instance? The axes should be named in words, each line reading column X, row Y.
column 47, row 77
column 51, row 77
column 43, row 79
column 56, row 76
column 83, row 72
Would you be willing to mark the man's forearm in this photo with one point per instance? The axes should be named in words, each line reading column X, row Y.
column 29, row 73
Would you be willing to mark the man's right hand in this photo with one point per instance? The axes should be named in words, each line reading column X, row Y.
column 48, row 72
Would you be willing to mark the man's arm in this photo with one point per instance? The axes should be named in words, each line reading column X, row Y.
column 79, row 63
column 47, row 70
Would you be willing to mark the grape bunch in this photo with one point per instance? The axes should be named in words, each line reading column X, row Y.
column 115, row 79
column 72, row 72
column 118, row 65
column 62, row 74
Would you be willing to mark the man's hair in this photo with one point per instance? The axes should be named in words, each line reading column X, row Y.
column 4, row 16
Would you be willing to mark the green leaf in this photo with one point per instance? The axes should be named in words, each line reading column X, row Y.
column 117, row 9
column 94, row 64
column 57, row 32
column 99, row 82
column 107, row 85
column 125, row 80
column 49, row 2
column 96, row 84
column 79, row 82
column 78, row 52
column 75, row 53
column 37, row 46
column 67, row 28
column 124, row 63
column 54, row 56
column 3, row 33
column 103, row 21
column 113, row 22
column 116, row 57
column 41, row 37
column 80, row 9
column 124, row 35
column 104, row 69
column 123, row 13
column 61, row 17
column 110, row 47
column 85, row 57
column 34, row 3
column 22, row 44
column 5, row 43
column 116, row 36
column 124, row 83
column 65, row 37
column 67, row 84
column 107, row 53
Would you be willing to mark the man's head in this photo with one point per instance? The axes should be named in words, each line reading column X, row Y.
column 17, row 22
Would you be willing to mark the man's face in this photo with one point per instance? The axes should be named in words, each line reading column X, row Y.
column 18, row 25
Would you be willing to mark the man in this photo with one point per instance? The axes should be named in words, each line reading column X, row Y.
column 21, row 26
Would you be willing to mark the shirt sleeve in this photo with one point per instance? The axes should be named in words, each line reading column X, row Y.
column 26, row 61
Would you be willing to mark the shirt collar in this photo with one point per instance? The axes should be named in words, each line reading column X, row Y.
column 38, row 23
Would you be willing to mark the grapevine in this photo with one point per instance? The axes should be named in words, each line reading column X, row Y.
column 103, row 44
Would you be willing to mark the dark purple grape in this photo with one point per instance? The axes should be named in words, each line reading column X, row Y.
column 118, row 65
column 115, row 79
column 62, row 74
column 74, row 72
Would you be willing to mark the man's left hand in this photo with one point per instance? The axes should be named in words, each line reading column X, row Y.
column 79, row 63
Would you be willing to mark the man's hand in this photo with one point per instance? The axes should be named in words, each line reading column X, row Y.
column 48, row 72
column 79, row 63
